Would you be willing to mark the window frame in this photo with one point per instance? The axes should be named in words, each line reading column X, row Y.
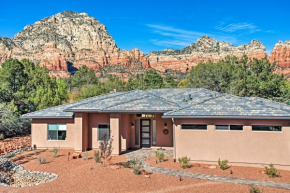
column 57, row 131
column 268, row 126
column 195, row 129
column 108, row 124
column 229, row 128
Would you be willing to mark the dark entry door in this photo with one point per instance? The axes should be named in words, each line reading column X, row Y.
column 145, row 133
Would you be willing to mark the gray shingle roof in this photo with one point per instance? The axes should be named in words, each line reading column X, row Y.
column 171, row 102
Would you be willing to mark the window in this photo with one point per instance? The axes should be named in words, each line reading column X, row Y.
column 229, row 127
column 145, row 115
column 154, row 132
column 194, row 127
column 103, row 129
column 136, row 132
column 266, row 128
column 56, row 132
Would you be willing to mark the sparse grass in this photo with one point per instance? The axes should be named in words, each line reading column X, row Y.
column 55, row 151
column 254, row 189
column 2, row 136
column 223, row 164
column 184, row 162
column 137, row 165
column 271, row 171
column 86, row 155
column 41, row 160
column 127, row 165
column 97, row 157
column 159, row 155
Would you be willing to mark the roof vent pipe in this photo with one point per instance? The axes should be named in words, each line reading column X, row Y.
column 189, row 97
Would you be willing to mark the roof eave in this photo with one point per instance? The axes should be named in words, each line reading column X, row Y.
column 46, row 117
column 227, row 117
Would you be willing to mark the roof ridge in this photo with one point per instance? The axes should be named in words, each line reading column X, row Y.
column 136, row 99
column 166, row 100
column 122, row 93
column 190, row 105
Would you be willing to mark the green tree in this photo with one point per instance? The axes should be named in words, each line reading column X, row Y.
column 84, row 76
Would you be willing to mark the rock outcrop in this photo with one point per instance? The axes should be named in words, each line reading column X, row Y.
column 281, row 56
column 204, row 49
column 65, row 41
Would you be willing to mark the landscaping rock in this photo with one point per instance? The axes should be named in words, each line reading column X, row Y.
column 212, row 167
column 14, row 143
column 76, row 155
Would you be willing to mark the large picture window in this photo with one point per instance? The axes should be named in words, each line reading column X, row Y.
column 193, row 127
column 103, row 129
column 266, row 128
column 56, row 132
column 229, row 127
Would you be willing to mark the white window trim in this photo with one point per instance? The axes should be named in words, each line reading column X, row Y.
column 57, row 130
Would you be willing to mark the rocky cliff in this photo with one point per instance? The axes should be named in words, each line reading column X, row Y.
column 204, row 49
column 67, row 40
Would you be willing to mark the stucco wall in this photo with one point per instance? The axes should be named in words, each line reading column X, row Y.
column 245, row 146
column 39, row 133
column 94, row 120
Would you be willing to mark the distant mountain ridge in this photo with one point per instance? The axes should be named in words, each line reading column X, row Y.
column 67, row 40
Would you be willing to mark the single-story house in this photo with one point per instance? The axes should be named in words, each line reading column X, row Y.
column 195, row 122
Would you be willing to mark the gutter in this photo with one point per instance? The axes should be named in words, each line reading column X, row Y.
column 47, row 117
column 114, row 111
column 174, row 140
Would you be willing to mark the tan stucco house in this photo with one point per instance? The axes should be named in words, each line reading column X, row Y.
column 197, row 122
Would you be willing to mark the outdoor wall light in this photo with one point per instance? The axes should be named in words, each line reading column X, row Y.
column 132, row 124
column 165, row 124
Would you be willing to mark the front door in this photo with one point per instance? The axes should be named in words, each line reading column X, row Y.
column 145, row 133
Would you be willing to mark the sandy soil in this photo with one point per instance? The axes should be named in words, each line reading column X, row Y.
column 238, row 171
column 81, row 175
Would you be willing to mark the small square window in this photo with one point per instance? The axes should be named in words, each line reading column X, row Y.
column 56, row 132
column 104, row 129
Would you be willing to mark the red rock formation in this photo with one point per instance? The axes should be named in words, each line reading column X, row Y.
column 281, row 56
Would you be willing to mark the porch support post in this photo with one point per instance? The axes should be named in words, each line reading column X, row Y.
column 78, row 132
column 115, row 133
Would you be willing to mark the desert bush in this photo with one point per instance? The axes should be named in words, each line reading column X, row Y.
column 106, row 147
column 41, row 160
column 271, row 171
column 223, row 164
column 184, row 162
column 97, row 157
column 55, row 151
column 159, row 155
column 86, row 155
column 254, row 189
column 127, row 165
column 2, row 136
column 10, row 123
column 137, row 165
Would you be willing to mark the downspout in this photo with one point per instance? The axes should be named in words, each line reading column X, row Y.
column 174, row 141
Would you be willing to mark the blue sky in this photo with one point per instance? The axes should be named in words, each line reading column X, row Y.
column 159, row 24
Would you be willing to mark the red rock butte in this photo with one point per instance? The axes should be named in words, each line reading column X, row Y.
column 65, row 41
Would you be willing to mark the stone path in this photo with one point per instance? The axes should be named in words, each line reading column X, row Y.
column 142, row 154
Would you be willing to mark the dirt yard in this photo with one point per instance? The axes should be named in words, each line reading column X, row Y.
column 81, row 175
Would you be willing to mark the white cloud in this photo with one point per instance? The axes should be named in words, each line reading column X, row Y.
column 177, row 37
column 238, row 27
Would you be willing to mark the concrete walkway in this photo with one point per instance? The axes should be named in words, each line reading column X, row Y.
column 142, row 154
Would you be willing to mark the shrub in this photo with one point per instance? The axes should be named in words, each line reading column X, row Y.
column 223, row 164
column 159, row 156
column 86, row 155
column 184, row 162
column 55, row 151
column 41, row 160
column 2, row 136
column 97, row 157
column 137, row 165
column 271, row 171
column 106, row 147
column 254, row 189
column 127, row 165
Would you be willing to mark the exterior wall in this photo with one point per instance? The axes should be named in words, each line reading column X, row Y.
column 115, row 133
column 39, row 133
column 244, row 147
column 125, row 131
column 94, row 120
column 161, row 139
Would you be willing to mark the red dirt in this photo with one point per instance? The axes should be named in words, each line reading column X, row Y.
column 10, row 144
column 238, row 171
column 79, row 175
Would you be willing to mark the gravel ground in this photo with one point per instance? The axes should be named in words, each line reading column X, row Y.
column 87, row 176
column 238, row 171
